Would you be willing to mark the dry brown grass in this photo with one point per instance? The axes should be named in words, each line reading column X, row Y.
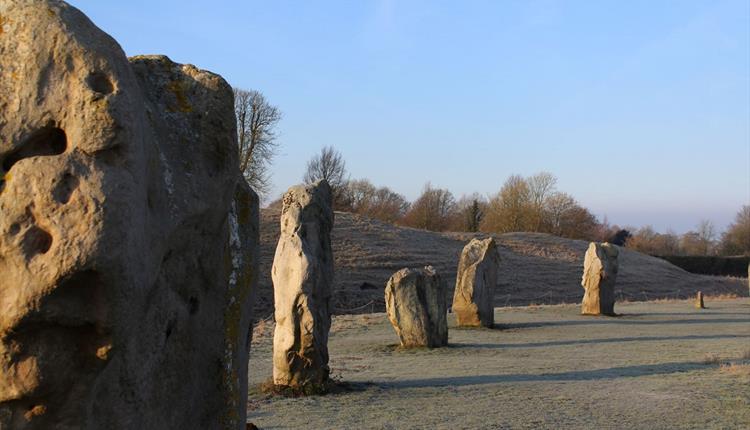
column 725, row 296
column 736, row 369
column 712, row 359
column 739, row 367
column 534, row 268
column 263, row 328
column 726, row 364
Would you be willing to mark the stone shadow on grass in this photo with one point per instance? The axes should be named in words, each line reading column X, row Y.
column 576, row 375
column 332, row 386
column 695, row 312
column 478, row 328
column 595, row 341
column 620, row 319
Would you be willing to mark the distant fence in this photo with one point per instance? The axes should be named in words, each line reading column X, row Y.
column 711, row 265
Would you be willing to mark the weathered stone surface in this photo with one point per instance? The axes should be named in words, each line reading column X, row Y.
column 599, row 277
column 699, row 301
column 302, row 276
column 128, row 242
column 475, row 284
column 415, row 300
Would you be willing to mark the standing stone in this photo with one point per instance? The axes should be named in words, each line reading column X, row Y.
column 599, row 276
column 475, row 284
column 699, row 301
column 415, row 300
column 128, row 238
column 302, row 276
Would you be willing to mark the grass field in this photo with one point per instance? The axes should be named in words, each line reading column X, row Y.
column 534, row 267
column 659, row 365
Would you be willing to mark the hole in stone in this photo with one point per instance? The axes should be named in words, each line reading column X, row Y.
column 14, row 229
column 65, row 187
column 100, row 83
column 36, row 241
column 46, row 141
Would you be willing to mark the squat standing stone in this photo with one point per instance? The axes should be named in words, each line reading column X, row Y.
column 599, row 276
column 302, row 278
column 475, row 284
column 415, row 300
column 699, row 301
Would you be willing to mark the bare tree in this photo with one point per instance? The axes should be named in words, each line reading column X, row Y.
column 469, row 213
column 534, row 204
column 643, row 239
column 361, row 197
column 707, row 235
column 511, row 209
column 433, row 210
column 389, row 206
column 555, row 208
column 256, row 135
column 541, row 187
column 648, row 241
column 736, row 240
column 328, row 165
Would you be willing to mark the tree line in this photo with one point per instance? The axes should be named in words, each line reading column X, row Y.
column 532, row 204
column 523, row 204
column 704, row 239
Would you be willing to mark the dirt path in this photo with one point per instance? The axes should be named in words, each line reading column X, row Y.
column 548, row 367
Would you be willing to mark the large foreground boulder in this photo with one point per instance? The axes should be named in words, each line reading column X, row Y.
column 475, row 284
column 302, row 276
column 415, row 300
column 128, row 239
column 599, row 277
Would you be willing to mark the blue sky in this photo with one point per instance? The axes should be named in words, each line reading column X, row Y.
column 640, row 108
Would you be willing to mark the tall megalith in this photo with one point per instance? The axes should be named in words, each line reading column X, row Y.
column 599, row 277
column 302, row 275
column 128, row 237
column 415, row 300
column 475, row 284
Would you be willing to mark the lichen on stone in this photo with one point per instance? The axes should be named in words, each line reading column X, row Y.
column 178, row 88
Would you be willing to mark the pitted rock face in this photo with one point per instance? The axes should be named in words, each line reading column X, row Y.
column 116, row 254
column 302, row 276
column 69, row 141
column 475, row 284
column 415, row 300
column 599, row 276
